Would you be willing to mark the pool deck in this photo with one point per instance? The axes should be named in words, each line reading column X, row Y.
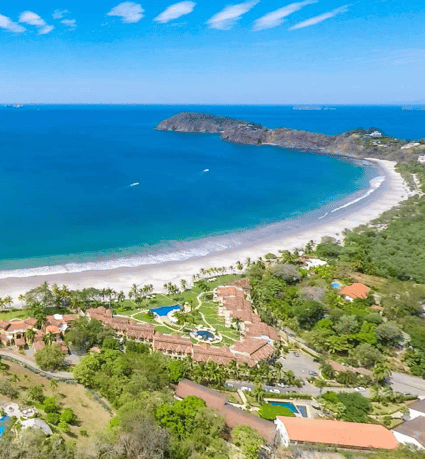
column 309, row 405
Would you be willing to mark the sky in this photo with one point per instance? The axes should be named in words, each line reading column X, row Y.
column 212, row 52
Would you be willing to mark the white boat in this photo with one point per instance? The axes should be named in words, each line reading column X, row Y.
column 135, row 184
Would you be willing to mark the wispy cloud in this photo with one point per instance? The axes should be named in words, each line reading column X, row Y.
column 59, row 14
column 129, row 12
column 275, row 18
column 227, row 18
column 7, row 24
column 320, row 18
column 30, row 18
column 175, row 11
column 71, row 23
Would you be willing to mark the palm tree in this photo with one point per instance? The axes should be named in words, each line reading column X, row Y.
column 239, row 266
column 248, row 262
column 121, row 297
column 49, row 338
column 183, row 284
column 381, row 372
column 320, row 384
column 7, row 301
column 134, row 292
column 30, row 335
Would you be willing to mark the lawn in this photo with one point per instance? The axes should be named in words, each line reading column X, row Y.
column 15, row 314
column 92, row 417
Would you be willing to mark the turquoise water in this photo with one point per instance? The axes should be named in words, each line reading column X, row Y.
column 163, row 311
column 4, row 421
column 97, row 184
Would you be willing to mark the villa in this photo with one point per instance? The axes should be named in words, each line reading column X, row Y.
column 353, row 291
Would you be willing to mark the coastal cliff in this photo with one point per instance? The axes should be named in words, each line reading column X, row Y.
column 357, row 143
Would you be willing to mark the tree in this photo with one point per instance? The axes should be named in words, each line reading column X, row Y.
column 176, row 371
column 30, row 335
column 50, row 358
column 381, row 372
column 84, row 334
column 49, row 338
column 248, row 439
column 388, row 334
column 289, row 273
column 366, row 355
column 134, row 292
column 320, row 384
column 347, row 325
column 309, row 313
column 183, row 284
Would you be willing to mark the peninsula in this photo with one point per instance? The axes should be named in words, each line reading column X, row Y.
column 357, row 143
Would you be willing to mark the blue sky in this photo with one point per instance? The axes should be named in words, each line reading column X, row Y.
column 252, row 52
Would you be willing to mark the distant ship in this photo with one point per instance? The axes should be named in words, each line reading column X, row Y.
column 14, row 106
column 206, row 170
column 135, row 184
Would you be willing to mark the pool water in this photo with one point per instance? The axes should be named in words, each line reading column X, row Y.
column 295, row 409
column 205, row 334
column 162, row 312
column 336, row 285
column 4, row 421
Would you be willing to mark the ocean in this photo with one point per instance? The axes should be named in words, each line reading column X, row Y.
column 92, row 187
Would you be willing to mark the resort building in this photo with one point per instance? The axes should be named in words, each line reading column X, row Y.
column 218, row 355
column 412, row 432
column 353, row 291
column 233, row 416
column 340, row 434
column 172, row 345
column 252, row 351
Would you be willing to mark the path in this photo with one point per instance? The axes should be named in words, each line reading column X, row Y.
column 27, row 363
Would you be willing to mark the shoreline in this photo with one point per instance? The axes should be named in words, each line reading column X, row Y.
column 294, row 233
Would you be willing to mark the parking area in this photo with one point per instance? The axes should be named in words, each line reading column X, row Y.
column 300, row 363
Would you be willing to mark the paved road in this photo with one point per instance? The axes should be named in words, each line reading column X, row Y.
column 407, row 384
column 301, row 365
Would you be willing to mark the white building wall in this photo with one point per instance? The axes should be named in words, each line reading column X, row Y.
column 405, row 439
column 282, row 432
column 413, row 414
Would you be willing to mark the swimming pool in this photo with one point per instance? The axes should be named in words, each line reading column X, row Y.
column 162, row 312
column 299, row 409
column 4, row 421
column 336, row 285
column 205, row 334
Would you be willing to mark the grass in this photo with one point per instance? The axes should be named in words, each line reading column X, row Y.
column 15, row 314
column 143, row 316
column 92, row 417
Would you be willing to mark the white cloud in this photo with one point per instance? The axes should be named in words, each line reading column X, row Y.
column 320, row 18
column 175, row 11
column 58, row 14
column 71, row 23
column 7, row 24
column 30, row 18
column 227, row 18
column 275, row 18
column 129, row 12
column 46, row 29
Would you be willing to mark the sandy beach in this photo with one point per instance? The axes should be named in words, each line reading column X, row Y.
column 393, row 192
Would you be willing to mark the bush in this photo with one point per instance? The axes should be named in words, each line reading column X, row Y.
column 83, row 433
column 64, row 426
column 53, row 418
column 50, row 405
column 7, row 389
column 68, row 416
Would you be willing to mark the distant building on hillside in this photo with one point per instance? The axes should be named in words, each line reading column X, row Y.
column 353, row 291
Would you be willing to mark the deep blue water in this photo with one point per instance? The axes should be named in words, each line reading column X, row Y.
column 4, row 421
column 164, row 310
column 66, row 174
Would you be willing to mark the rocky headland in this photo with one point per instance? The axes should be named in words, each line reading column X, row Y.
column 358, row 143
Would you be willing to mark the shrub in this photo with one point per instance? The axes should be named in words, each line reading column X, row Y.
column 50, row 405
column 64, row 426
column 83, row 433
column 68, row 416
column 53, row 418
column 7, row 389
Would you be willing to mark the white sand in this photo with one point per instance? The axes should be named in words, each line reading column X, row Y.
column 122, row 278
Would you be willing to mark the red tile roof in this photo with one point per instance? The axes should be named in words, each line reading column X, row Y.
column 261, row 329
column 20, row 342
column 355, row 291
column 211, row 397
column 218, row 355
column 230, row 291
column 4, row 324
column 31, row 321
column 257, row 349
column 233, row 416
column 53, row 329
column 243, row 283
column 172, row 343
column 339, row 433
column 17, row 326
